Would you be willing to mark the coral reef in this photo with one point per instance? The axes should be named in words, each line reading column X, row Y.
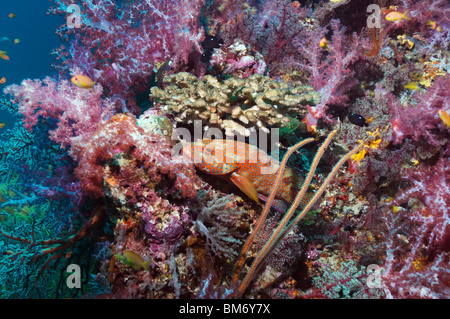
column 94, row 176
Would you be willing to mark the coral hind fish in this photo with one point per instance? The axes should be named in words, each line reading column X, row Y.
column 252, row 170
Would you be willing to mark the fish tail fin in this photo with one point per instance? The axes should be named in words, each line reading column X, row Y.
column 404, row 15
column 245, row 185
column 147, row 265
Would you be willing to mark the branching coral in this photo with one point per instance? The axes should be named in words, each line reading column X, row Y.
column 234, row 104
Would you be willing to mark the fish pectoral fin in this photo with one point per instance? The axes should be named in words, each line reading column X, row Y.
column 245, row 185
column 278, row 204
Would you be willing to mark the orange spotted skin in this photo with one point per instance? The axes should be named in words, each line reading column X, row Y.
column 225, row 157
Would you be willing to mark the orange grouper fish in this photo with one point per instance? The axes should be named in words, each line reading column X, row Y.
column 249, row 168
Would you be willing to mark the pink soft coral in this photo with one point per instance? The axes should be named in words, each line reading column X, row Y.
column 328, row 69
column 422, row 119
column 78, row 111
column 416, row 238
column 120, row 45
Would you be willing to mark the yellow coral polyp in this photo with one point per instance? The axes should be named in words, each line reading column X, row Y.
column 404, row 39
column 359, row 156
column 374, row 133
column 375, row 144
column 419, row 263
column 372, row 144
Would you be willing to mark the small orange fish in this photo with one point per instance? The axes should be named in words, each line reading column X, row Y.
column 2, row 124
column 16, row 41
column 444, row 117
column 397, row 16
column 83, row 82
column 3, row 80
column 4, row 56
column 12, row 15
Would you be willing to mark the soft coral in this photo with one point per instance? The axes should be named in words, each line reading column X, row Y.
column 422, row 119
column 416, row 238
column 329, row 70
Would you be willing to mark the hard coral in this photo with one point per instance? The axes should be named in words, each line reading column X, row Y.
column 234, row 104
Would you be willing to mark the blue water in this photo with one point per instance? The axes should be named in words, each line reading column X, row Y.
column 31, row 58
